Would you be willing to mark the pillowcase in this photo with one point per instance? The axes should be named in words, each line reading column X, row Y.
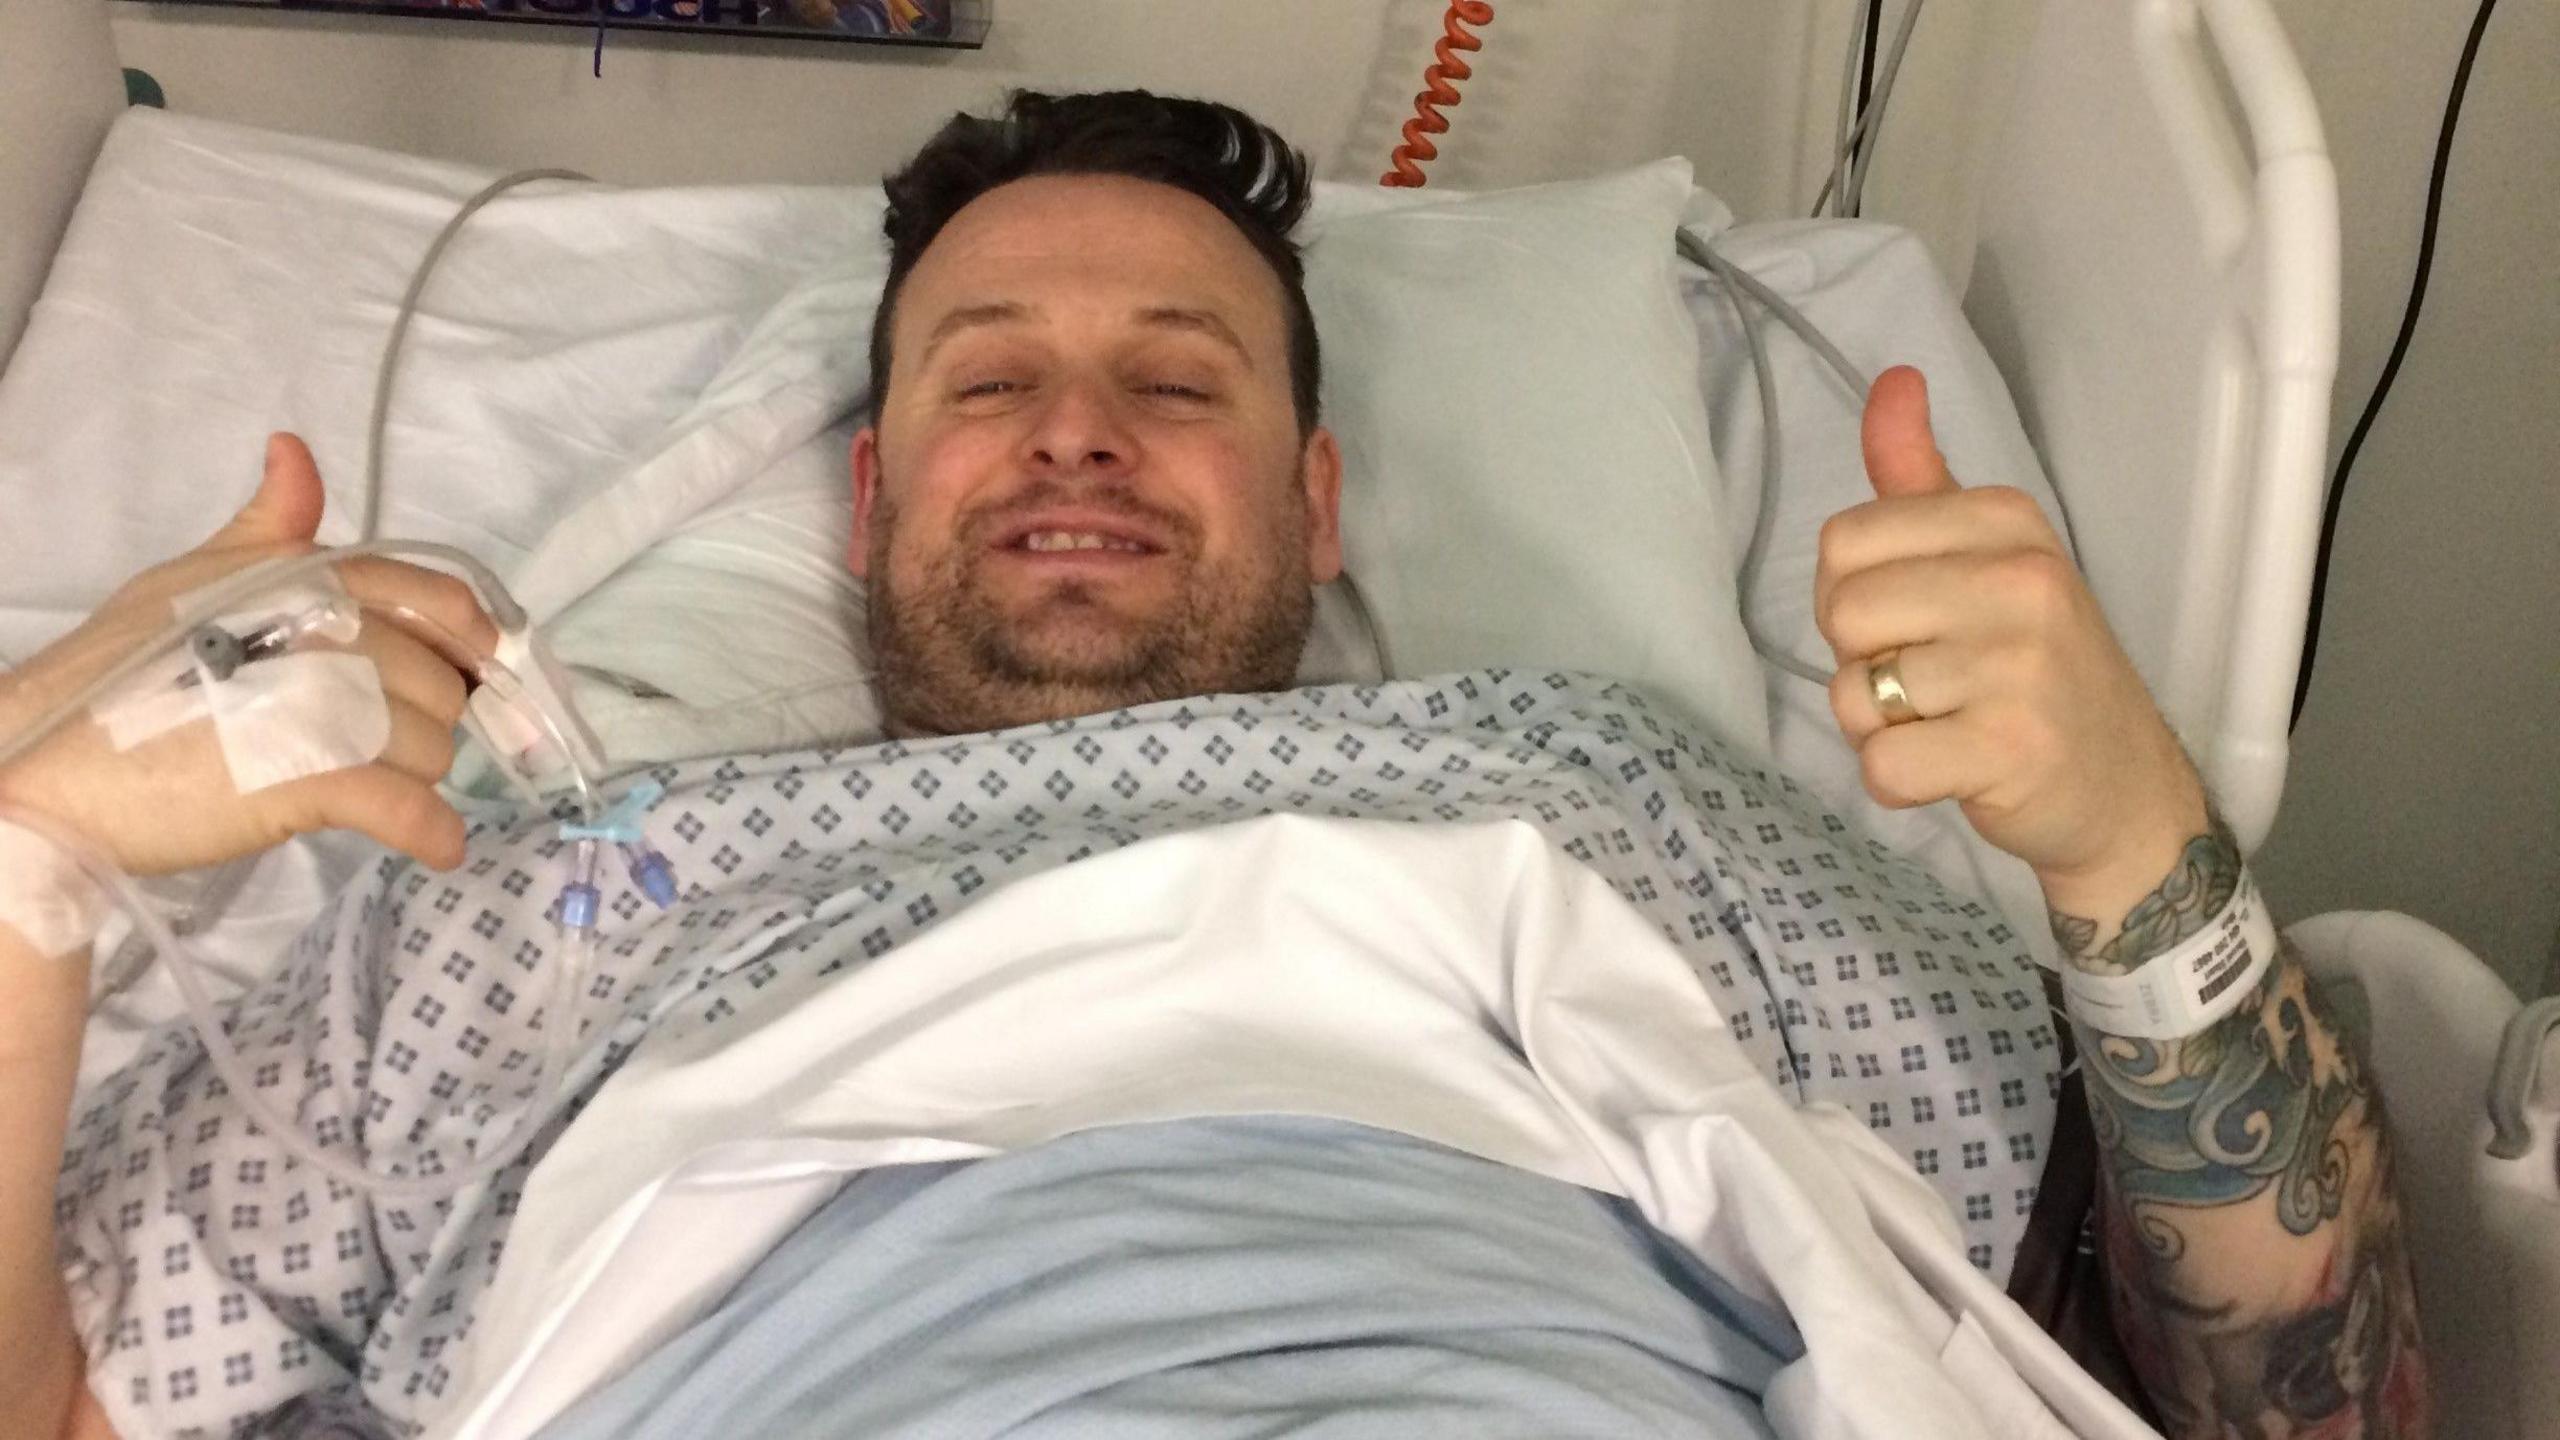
column 1876, row 292
column 741, row 633
column 590, row 366
column 1528, row 479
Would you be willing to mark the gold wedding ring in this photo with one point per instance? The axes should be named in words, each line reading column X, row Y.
column 1884, row 683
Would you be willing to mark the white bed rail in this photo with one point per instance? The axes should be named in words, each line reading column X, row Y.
column 2157, row 277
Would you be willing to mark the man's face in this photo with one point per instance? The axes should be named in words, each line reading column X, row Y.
column 1086, row 488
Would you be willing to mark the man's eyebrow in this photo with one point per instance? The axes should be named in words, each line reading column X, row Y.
column 969, row 317
column 1014, row 312
column 1204, row 322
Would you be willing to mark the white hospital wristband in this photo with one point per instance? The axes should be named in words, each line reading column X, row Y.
column 2185, row 991
column 44, row 896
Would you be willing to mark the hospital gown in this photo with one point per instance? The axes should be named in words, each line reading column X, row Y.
column 217, row 1281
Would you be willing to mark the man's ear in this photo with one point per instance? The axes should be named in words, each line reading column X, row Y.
column 1320, row 470
column 866, row 492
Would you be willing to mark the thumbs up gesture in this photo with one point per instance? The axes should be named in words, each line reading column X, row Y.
column 169, row 803
column 2015, row 699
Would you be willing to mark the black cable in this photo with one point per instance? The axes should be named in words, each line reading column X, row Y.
column 2391, row 366
column 1867, row 76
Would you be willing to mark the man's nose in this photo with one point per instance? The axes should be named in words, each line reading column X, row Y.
column 1082, row 427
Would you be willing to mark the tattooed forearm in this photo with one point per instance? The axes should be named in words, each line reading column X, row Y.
column 2254, row 1241
column 2207, row 873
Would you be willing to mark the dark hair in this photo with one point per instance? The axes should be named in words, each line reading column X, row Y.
column 1216, row 152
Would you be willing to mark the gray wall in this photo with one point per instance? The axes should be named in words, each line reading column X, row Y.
column 59, row 88
column 1566, row 86
column 2427, row 775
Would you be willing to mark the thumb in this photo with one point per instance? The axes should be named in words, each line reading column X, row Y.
column 1901, row 452
column 286, row 509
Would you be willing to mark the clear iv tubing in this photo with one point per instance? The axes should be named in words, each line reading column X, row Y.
column 185, row 968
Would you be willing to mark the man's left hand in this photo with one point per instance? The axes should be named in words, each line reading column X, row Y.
column 2032, row 717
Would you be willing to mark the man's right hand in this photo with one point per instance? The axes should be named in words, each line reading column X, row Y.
column 169, row 804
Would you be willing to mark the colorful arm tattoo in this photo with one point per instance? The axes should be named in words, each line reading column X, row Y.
column 2258, row 1270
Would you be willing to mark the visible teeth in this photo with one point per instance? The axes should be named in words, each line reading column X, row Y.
column 1045, row 540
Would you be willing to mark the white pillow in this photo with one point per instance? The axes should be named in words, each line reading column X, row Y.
column 1528, row 477
column 740, row 633
column 1528, row 482
column 590, row 366
column 1876, row 292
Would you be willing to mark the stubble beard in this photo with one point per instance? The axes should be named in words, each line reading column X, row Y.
column 949, row 659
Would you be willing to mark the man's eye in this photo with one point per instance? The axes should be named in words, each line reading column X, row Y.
column 989, row 387
column 1176, row 390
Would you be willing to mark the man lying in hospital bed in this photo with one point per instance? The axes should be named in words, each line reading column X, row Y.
column 1266, row 1122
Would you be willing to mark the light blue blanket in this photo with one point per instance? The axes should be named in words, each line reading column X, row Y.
column 1208, row 1278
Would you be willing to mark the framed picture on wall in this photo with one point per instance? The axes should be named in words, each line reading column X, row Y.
column 952, row 23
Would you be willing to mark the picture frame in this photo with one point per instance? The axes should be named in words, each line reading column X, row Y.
column 944, row 24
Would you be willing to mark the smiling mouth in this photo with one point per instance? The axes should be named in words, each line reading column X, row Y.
column 1065, row 542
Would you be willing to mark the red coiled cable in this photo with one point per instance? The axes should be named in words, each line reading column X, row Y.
column 1439, row 88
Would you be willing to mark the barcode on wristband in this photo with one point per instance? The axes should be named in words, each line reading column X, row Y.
column 2233, row 964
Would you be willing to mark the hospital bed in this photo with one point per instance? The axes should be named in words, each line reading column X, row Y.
column 2146, row 344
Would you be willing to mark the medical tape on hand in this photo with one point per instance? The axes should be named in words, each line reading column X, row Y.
column 45, row 896
column 302, row 715
column 277, row 720
column 2189, row 989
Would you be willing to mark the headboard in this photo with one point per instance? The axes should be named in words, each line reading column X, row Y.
column 2157, row 276
column 60, row 87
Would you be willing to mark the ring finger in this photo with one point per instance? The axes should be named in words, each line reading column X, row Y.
column 412, row 671
column 1935, row 681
